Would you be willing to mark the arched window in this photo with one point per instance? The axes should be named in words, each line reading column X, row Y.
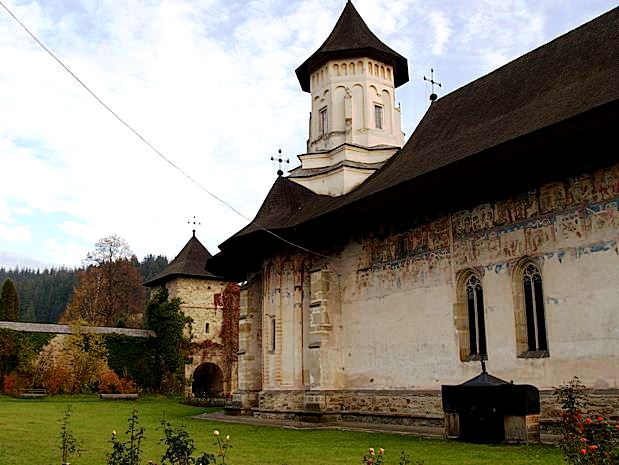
column 477, row 322
column 469, row 317
column 206, row 328
column 531, row 339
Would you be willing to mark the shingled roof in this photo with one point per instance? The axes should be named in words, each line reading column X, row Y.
column 555, row 83
column 287, row 204
column 190, row 262
column 352, row 38
column 571, row 75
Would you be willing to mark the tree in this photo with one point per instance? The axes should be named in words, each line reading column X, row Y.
column 110, row 291
column 168, row 322
column 9, row 302
column 152, row 265
column 109, row 249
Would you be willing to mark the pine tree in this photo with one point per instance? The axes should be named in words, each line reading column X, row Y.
column 9, row 302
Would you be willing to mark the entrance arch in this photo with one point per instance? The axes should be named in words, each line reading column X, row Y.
column 208, row 381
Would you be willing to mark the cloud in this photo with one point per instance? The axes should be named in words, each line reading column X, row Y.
column 16, row 233
column 442, row 31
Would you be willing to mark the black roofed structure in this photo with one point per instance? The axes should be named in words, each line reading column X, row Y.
column 351, row 38
column 491, row 234
column 483, row 123
column 190, row 262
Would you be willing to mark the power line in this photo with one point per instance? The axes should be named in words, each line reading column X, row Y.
column 143, row 139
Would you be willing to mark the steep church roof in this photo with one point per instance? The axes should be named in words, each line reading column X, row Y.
column 555, row 84
column 190, row 262
column 570, row 75
column 287, row 204
column 352, row 38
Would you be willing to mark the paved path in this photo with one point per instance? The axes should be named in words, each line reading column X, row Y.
column 420, row 431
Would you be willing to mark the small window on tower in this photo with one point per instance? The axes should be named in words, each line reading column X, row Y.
column 324, row 121
column 273, row 334
column 206, row 328
column 378, row 116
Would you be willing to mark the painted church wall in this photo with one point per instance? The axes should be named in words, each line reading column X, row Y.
column 398, row 293
column 383, row 313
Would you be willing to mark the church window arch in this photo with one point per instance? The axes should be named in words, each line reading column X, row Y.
column 529, row 310
column 344, row 70
column 375, row 69
column 470, row 317
column 370, row 67
column 360, row 67
column 336, row 69
column 352, row 68
column 382, row 72
column 389, row 74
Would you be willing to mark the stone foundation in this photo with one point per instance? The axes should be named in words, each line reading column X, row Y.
column 402, row 407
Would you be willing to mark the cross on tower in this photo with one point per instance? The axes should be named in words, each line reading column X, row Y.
column 280, row 160
column 194, row 222
column 433, row 96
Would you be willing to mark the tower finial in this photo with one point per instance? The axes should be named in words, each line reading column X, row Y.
column 194, row 222
column 280, row 160
column 433, row 96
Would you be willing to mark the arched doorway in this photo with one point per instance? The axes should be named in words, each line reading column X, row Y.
column 208, row 381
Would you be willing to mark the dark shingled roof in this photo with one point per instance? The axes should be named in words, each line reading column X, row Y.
column 574, row 74
column 564, row 78
column 287, row 204
column 190, row 262
column 352, row 38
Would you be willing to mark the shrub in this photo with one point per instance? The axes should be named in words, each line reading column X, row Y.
column 9, row 384
column 586, row 440
column 179, row 445
column 127, row 452
column 68, row 443
column 58, row 380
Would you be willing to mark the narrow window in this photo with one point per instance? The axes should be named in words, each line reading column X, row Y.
column 323, row 122
column 534, row 309
column 206, row 328
column 272, row 334
column 378, row 116
column 477, row 324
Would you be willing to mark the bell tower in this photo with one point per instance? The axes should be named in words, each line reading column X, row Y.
column 354, row 124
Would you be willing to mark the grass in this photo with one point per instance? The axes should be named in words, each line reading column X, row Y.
column 29, row 436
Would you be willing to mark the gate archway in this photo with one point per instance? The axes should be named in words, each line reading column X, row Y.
column 208, row 381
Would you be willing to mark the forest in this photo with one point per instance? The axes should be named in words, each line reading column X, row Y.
column 44, row 294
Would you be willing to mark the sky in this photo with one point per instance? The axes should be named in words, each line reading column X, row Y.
column 211, row 85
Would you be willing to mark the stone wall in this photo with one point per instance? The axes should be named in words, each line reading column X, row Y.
column 66, row 329
column 405, row 407
column 203, row 301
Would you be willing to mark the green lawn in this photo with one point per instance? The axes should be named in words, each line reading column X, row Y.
column 29, row 436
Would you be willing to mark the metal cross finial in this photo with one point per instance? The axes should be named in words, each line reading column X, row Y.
column 194, row 222
column 280, row 160
column 433, row 96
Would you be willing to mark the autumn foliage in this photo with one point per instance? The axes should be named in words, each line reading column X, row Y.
column 110, row 291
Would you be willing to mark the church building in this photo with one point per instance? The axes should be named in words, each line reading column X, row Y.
column 490, row 234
